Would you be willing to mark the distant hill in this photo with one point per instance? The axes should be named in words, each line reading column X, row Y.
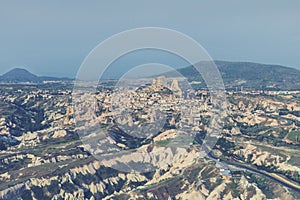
column 249, row 75
column 19, row 75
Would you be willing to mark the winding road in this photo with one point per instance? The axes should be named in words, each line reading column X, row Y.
column 278, row 179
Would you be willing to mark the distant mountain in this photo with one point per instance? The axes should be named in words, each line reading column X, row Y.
column 19, row 75
column 248, row 75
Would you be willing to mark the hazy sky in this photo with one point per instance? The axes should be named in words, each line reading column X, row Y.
column 53, row 37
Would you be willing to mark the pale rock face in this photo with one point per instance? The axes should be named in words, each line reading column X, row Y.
column 235, row 131
column 58, row 116
column 2, row 121
column 260, row 157
column 229, row 197
column 62, row 158
column 4, row 176
column 30, row 136
column 28, row 139
column 122, row 176
column 241, row 105
column 204, row 190
column 160, row 81
column 59, row 134
column 160, row 155
column 11, row 190
column 42, row 182
column 69, row 111
column 245, row 184
column 175, row 88
column 169, row 134
column 191, row 194
column 290, row 116
column 216, row 193
column 136, row 177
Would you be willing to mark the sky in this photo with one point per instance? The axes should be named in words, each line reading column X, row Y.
column 53, row 37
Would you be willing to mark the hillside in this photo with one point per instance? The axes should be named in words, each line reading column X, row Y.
column 19, row 75
column 43, row 157
column 249, row 75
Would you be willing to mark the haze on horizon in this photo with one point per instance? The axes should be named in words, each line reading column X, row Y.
column 53, row 38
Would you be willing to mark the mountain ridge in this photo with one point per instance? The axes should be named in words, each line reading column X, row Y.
column 247, row 75
column 21, row 75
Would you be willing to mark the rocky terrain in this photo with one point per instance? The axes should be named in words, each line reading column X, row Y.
column 47, row 152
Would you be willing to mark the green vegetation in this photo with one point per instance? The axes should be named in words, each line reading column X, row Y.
column 294, row 136
column 295, row 160
column 180, row 141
